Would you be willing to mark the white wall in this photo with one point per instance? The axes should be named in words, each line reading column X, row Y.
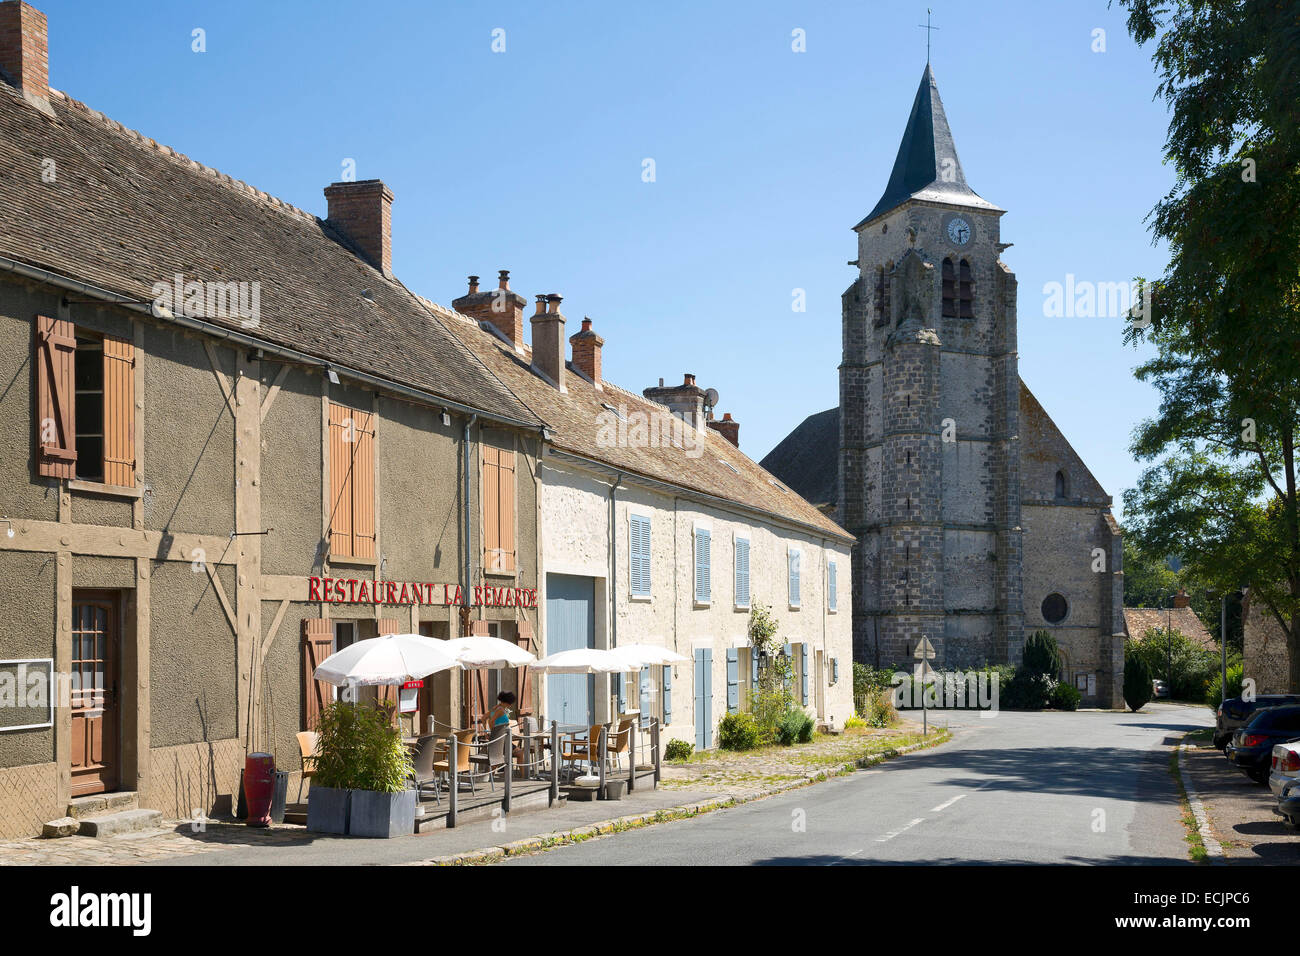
column 574, row 539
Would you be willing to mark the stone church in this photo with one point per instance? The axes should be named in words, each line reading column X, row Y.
column 976, row 522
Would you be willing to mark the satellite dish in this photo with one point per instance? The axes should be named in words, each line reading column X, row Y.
column 711, row 398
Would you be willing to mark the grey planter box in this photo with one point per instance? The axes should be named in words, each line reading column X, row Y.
column 382, row 814
column 327, row 810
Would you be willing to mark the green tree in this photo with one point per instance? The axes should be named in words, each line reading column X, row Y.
column 1137, row 682
column 1225, row 317
column 1041, row 655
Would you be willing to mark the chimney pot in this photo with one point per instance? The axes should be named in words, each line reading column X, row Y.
column 362, row 212
column 504, row 282
column 473, row 284
column 689, row 379
column 728, row 428
column 25, row 51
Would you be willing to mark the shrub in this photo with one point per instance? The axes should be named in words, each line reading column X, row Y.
column 1027, row 691
column 1183, row 664
column 738, row 732
column 1137, row 682
column 1041, row 655
column 360, row 749
column 854, row 722
column 867, row 681
column 1236, row 674
column 880, row 709
column 794, row 727
column 678, row 750
column 1066, row 697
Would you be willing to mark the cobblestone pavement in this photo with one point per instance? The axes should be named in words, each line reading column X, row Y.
column 757, row 770
column 146, row 846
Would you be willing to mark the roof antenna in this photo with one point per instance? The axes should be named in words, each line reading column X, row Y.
column 927, row 28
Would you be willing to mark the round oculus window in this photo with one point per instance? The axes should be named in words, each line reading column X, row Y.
column 1055, row 608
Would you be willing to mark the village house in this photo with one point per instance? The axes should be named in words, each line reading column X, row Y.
column 200, row 507
column 656, row 528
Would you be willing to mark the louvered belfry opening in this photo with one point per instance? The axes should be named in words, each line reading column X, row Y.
column 958, row 290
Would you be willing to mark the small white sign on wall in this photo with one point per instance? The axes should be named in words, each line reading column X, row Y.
column 1092, row 685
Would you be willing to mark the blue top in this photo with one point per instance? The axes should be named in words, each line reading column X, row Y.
column 502, row 718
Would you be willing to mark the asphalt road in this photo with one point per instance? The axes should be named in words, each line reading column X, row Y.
column 1050, row 787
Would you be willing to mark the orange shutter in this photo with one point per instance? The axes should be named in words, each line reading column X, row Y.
column 491, row 510
column 341, row 446
column 506, row 503
column 119, row 412
column 524, row 676
column 56, row 350
column 363, row 487
column 317, row 644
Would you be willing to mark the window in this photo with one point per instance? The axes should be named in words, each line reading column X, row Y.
column 498, row 510
column 1062, row 488
column 882, row 297
column 958, row 290
column 832, row 595
column 742, row 572
column 703, row 580
column 85, row 423
column 1055, row 608
column 352, row 482
column 639, row 551
column 793, row 558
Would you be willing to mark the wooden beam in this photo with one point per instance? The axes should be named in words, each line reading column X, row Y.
column 52, row 536
column 221, row 596
column 274, row 390
column 221, row 376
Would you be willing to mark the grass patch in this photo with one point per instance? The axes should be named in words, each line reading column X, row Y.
column 1195, row 845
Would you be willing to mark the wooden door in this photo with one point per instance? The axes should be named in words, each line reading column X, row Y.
column 95, row 704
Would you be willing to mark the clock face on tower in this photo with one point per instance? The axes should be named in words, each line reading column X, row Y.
column 959, row 231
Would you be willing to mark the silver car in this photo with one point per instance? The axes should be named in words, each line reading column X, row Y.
column 1284, row 767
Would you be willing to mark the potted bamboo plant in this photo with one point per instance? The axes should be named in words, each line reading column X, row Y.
column 362, row 774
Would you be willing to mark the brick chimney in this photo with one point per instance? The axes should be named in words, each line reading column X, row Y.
column 1181, row 599
column 548, row 339
column 586, row 351
column 25, row 52
column 362, row 212
column 728, row 428
column 686, row 400
column 501, row 308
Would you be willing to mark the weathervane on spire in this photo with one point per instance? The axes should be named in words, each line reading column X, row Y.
column 927, row 28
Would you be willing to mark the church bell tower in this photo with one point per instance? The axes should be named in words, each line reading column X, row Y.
column 929, row 414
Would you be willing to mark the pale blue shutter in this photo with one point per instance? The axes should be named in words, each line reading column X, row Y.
column 668, row 695
column 831, row 588
column 742, row 572
column 803, row 671
column 639, row 562
column 733, row 680
column 621, row 683
column 753, row 667
column 703, row 698
column 789, row 656
column 835, row 670
column 703, row 585
column 794, row 578
column 644, row 701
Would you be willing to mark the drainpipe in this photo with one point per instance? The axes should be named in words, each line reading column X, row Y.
column 612, row 587
column 469, row 423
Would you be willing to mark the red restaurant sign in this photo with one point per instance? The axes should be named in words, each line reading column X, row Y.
column 364, row 591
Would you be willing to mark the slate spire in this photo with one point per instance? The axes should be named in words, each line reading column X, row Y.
column 927, row 166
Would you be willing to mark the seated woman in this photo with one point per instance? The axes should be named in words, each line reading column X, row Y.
column 500, row 714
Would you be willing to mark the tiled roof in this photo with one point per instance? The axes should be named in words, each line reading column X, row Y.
column 124, row 212
column 807, row 459
column 721, row 470
column 1139, row 620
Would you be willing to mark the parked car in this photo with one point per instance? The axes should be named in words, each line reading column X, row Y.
column 1234, row 712
column 1251, row 749
column 1284, row 768
column 1288, row 804
column 1159, row 689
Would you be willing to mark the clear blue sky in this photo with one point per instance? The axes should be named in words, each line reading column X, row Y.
column 765, row 158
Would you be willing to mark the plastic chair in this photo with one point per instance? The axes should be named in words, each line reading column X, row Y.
column 307, row 742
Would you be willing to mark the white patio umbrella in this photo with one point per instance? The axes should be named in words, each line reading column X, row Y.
column 580, row 660
column 481, row 652
column 391, row 659
column 637, row 656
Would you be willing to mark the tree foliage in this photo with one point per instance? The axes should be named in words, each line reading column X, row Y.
column 1225, row 317
column 1042, row 656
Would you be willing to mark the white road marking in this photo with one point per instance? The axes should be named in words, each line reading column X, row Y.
column 903, row 829
column 947, row 803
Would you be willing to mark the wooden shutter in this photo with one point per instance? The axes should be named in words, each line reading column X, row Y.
column 643, row 697
column 56, row 352
column 363, row 487
column 733, row 680
column 949, row 290
column 667, row 695
column 387, row 693
column 803, row 672
column 703, row 585
column 352, row 482
column 832, row 586
column 742, row 572
column 498, row 509
column 639, row 563
column 119, row 412
column 794, row 578
column 524, row 676
column 317, row 644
